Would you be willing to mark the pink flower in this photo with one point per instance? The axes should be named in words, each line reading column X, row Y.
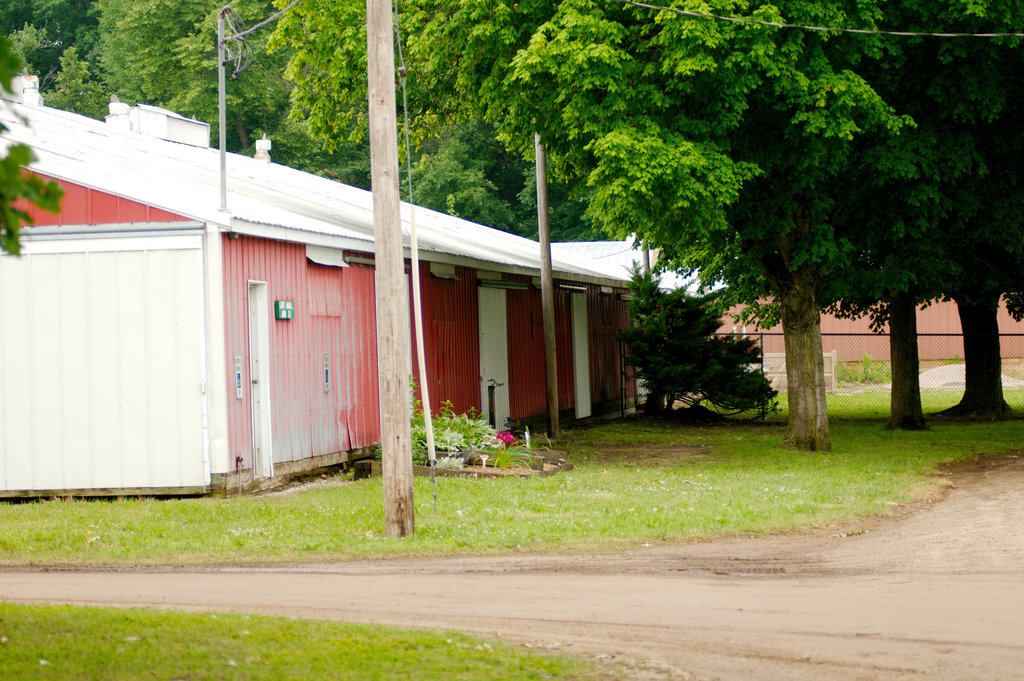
column 506, row 438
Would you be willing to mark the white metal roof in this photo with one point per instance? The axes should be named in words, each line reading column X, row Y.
column 264, row 199
column 621, row 256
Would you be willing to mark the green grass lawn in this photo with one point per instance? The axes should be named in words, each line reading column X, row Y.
column 872, row 403
column 635, row 482
column 55, row 642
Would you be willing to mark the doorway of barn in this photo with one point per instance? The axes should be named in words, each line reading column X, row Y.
column 259, row 376
column 493, row 356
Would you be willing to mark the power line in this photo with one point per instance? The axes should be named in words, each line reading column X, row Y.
column 266, row 21
column 238, row 51
column 242, row 54
column 822, row 29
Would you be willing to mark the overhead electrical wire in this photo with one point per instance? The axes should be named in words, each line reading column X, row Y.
column 821, row 29
column 272, row 17
column 238, row 48
column 414, row 248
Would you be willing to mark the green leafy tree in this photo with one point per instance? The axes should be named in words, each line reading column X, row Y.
column 724, row 144
column 671, row 343
column 164, row 53
column 15, row 183
column 42, row 30
column 462, row 173
column 465, row 171
column 75, row 89
column 949, row 188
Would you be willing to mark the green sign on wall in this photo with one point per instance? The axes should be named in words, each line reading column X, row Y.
column 284, row 309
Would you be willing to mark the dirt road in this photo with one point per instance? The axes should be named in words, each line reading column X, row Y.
column 935, row 594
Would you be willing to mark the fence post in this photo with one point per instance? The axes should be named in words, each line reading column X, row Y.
column 764, row 407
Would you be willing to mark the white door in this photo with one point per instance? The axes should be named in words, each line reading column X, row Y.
column 259, row 374
column 493, row 355
column 581, row 354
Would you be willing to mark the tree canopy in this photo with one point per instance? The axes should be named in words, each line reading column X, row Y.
column 939, row 206
column 721, row 143
column 162, row 53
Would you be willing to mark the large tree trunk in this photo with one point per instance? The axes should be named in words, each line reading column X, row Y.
column 983, row 393
column 905, row 400
column 805, row 368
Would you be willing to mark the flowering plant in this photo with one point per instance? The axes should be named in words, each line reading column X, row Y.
column 506, row 438
column 500, row 440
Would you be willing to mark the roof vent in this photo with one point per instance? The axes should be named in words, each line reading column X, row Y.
column 119, row 118
column 156, row 122
column 24, row 90
column 263, row 150
column 30, row 91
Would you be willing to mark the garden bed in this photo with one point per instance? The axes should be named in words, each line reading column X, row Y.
column 548, row 463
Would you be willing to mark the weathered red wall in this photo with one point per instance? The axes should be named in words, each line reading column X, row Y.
column 334, row 316
column 853, row 338
column 452, row 339
column 344, row 326
column 527, row 383
column 84, row 206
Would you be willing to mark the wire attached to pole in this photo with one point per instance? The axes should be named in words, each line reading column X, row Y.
column 414, row 247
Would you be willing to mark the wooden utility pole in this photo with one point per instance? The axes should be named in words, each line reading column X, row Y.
column 547, row 288
column 392, row 321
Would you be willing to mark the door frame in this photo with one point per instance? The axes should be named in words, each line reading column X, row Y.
column 493, row 333
column 259, row 379
column 581, row 355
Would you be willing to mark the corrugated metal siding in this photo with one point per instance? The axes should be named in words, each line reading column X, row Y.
column 939, row 318
column 100, row 369
column 84, row 206
column 606, row 315
column 358, row 350
column 326, row 309
column 341, row 305
column 527, row 383
column 334, row 315
column 563, row 348
column 283, row 267
column 452, row 343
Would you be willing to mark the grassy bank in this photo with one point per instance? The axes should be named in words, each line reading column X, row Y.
column 635, row 482
column 39, row 642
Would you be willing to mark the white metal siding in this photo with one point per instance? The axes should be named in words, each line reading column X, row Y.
column 101, row 367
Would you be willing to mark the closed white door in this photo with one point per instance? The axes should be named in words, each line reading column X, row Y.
column 259, row 375
column 581, row 354
column 493, row 356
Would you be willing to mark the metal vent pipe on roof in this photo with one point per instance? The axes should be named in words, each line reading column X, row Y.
column 30, row 91
column 119, row 117
column 263, row 146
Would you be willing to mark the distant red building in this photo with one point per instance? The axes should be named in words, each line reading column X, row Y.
column 938, row 327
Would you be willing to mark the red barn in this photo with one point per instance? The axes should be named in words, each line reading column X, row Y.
column 152, row 342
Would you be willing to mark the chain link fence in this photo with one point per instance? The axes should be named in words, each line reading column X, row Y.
column 858, row 372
